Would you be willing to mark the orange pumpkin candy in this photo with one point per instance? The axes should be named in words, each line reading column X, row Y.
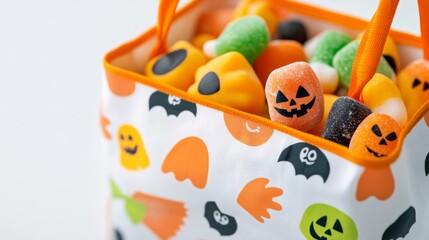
column 376, row 136
column 295, row 96
column 413, row 82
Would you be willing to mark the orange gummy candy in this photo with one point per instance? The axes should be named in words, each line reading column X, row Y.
column 295, row 96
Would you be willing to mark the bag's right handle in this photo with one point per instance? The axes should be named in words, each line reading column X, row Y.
column 424, row 26
column 371, row 47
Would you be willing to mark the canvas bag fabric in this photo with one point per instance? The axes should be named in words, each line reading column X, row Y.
column 210, row 172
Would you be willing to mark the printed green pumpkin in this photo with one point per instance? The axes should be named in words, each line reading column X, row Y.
column 324, row 222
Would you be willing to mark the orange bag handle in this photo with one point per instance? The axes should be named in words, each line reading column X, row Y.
column 166, row 12
column 371, row 47
column 372, row 44
column 424, row 26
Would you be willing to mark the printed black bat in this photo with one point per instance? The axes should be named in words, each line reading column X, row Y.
column 223, row 223
column 117, row 235
column 172, row 104
column 307, row 160
column 401, row 227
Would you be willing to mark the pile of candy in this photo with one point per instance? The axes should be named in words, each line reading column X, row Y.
column 250, row 59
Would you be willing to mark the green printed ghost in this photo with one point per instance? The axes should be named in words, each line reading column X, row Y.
column 136, row 210
column 324, row 222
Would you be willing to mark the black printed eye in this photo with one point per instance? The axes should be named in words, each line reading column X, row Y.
column 337, row 226
column 281, row 97
column 416, row 82
column 122, row 137
column 376, row 130
column 322, row 221
column 130, row 137
column 302, row 92
column 392, row 136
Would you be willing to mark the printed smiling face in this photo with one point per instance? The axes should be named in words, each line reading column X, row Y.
column 376, row 136
column 133, row 154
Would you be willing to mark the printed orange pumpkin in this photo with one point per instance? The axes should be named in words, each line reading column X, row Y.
column 247, row 132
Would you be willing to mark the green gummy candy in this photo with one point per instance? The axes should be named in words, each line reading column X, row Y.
column 247, row 35
column 329, row 44
column 343, row 63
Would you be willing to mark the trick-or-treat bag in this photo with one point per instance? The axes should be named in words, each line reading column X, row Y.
column 268, row 119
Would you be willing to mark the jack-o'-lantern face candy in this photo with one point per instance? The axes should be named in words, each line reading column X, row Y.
column 377, row 136
column 295, row 96
column 413, row 82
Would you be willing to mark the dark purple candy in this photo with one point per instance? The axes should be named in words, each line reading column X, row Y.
column 292, row 30
column 345, row 116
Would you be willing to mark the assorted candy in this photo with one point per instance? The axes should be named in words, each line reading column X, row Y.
column 295, row 96
column 278, row 53
column 247, row 35
column 182, row 59
column 230, row 80
column 237, row 53
column 343, row 62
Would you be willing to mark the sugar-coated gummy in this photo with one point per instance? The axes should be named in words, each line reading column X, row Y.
column 247, row 35
column 345, row 116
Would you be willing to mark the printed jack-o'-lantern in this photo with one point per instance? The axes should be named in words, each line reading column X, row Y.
column 230, row 80
column 321, row 221
column 177, row 67
column 376, row 136
column 295, row 96
column 413, row 82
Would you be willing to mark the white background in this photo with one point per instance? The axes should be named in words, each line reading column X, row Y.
column 52, row 178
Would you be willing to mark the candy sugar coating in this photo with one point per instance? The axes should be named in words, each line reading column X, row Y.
column 199, row 40
column 381, row 95
column 327, row 76
column 176, row 67
column 278, row 53
column 328, row 45
column 261, row 9
column 343, row 62
column 413, row 82
column 292, row 30
column 247, row 35
column 329, row 100
column 345, row 116
column 295, row 96
column 230, row 80
column 376, row 136
column 390, row 53
column 214, row 21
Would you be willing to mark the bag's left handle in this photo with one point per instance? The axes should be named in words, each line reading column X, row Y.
column 166, row 12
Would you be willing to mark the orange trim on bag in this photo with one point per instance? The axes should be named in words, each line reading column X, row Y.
column 300, row 8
